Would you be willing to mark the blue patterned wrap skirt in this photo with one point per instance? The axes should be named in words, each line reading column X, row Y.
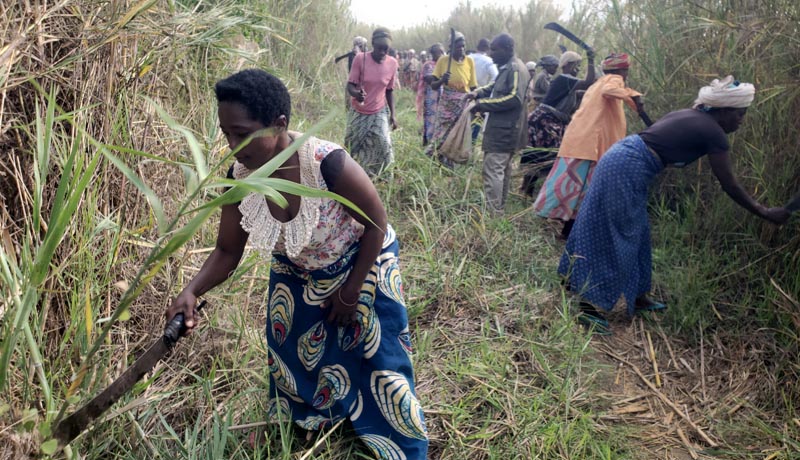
column 321, row 373
column 608, row 252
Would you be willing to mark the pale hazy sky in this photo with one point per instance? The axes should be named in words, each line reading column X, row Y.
column 405, row 13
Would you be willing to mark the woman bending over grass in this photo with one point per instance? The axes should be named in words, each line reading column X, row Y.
column 608, row 252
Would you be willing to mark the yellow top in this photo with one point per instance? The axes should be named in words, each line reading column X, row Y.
column 600, row 120
column 462, row 74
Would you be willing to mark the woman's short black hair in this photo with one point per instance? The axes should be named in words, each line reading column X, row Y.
column 263, row 95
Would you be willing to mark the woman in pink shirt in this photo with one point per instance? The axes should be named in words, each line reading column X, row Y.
column 371, row 83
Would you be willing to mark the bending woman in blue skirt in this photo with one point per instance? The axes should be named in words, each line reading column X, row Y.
column 608, row 253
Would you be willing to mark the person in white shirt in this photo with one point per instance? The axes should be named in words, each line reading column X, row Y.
column 485, row 72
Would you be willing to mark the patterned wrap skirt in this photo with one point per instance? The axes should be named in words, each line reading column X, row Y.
column 451, row 104
column 426, row 101
column 368, row 139
column 545, row 130
column 608, row 252
column 564, row 189
column 321, row 373
column 428, row 112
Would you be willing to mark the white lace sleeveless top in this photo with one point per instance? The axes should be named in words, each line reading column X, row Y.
column 321, row 231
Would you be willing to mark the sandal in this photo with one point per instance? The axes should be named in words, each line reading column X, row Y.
column 593, row 320
column 654, row 306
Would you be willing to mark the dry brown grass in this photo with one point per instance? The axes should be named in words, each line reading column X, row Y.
column 685, row 400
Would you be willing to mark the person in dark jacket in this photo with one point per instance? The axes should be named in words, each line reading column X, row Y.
column 504, row 101
column 359, row 46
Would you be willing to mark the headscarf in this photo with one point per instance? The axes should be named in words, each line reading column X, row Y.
column 458, row 36
column 726, row 93
column 359, row 41
column 548, row 60
column 382, row 35
column 616, row 61
column 569, row 56
column 530, row 65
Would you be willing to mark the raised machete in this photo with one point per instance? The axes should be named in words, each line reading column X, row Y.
column 556, row 27
column 71, row 426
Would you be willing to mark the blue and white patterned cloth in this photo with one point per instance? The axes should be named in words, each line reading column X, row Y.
column 321, row 373
column 608, row 252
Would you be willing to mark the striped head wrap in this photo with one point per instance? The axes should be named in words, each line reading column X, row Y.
column 616, row 61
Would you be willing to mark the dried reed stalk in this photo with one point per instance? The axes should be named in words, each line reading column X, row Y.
column 663, row 398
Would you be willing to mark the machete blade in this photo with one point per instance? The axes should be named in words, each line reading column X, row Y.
column 72, row 426
column 556, row 27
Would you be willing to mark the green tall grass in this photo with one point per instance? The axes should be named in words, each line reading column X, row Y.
column 524, row 24
column 91, row 240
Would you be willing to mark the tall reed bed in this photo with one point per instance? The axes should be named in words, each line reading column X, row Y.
column 524, row 24
column 101, row 187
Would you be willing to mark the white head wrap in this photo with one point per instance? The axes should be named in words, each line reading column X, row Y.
column 569, row 56
column 530, row 65
column 726, row 93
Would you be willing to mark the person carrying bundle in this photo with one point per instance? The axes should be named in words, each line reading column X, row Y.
column 454, row 76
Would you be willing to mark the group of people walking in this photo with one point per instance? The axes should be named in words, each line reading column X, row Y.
column 337, row 328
